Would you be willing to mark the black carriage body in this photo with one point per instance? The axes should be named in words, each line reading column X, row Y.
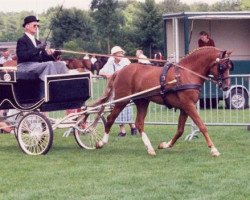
column 25, row 91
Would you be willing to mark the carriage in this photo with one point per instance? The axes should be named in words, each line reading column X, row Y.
column 35, row 99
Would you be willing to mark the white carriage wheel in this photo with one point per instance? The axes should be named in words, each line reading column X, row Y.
column 34, row 134
column 92, row 132
column 18, row 117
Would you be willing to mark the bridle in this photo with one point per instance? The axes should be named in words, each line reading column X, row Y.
column 223, row 64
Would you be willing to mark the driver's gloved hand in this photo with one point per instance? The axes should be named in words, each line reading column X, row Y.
column 41, row 46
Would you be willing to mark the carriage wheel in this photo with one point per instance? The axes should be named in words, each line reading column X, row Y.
column 18, row 117
column 34, row 134
column 92, row 132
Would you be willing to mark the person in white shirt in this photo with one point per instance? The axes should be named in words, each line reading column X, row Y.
column 5, row 56
column 142, row 58
column 115, row 63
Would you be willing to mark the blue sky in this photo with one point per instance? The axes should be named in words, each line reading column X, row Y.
column 42, row 5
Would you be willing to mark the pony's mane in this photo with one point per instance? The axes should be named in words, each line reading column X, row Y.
column 198, row 49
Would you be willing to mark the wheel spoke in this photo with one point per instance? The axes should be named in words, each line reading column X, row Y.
column 35, row 134
column 87, row 138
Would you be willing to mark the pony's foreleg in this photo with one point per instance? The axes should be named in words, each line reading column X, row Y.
column 181, row 125
column 110, row 121
column 142, row 106
column 192, row 112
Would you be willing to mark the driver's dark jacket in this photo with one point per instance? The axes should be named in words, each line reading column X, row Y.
column 27, row 52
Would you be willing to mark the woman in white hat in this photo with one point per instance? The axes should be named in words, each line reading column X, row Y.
column 115, row 63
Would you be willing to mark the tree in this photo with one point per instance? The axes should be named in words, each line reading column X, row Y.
column 107, row 19
column 172, row 6
column 128, row 32
column 199, row 7
column 226, row 5
column 245, row 5
column 71, row 24
column 149, row 25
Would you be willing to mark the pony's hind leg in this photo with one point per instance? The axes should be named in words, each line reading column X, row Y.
column 142, row 106
column 181, row 124
column 110, row 120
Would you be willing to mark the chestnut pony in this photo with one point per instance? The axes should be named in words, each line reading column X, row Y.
column 81, row 65
column 189, row 73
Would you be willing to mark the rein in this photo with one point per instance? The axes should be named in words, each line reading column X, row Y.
column 199, row 75
column 135, row 58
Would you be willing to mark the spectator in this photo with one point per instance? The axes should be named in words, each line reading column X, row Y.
column 32, row 54
column 205, row 40
column 158, row 56
column 5, row 57
column 114, row 64
column 142, row 58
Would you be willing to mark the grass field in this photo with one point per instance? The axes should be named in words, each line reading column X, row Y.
column 123, row 170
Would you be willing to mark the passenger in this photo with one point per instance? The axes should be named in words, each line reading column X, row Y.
column 32, row 54
column 142, row 58
column 114, row 64
column 205, row 40
column 5, row 57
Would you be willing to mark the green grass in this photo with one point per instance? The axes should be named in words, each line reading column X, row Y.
column 123, row 170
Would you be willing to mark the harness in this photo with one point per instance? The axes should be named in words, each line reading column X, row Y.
column 179, row 87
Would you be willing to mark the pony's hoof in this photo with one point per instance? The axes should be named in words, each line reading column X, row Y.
column 214, row 152
column 99, row 144
column 164, row 145
column 151, row 152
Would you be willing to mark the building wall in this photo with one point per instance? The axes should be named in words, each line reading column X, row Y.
column 231, row 35
column 227, row 35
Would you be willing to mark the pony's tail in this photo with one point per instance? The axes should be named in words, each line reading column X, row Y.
column 107, row 93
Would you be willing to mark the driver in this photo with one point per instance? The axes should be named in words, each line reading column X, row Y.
column 32, row 55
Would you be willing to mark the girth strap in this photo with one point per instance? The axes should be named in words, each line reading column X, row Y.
column 183, row 87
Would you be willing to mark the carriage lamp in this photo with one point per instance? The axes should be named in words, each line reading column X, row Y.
column 7, row 77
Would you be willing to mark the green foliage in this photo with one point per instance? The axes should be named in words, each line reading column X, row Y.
column 245, row 4
column 226, row 5
column 108, row 20
column 172, row 6
column 71, row 24
column 150, row 26
column 199, row 7
column 11, row 25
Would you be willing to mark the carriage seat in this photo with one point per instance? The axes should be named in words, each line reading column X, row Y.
column 27, row 76
column 29, row 88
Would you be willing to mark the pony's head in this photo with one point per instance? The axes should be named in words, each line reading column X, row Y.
column 221, row 68
column 99, row 63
